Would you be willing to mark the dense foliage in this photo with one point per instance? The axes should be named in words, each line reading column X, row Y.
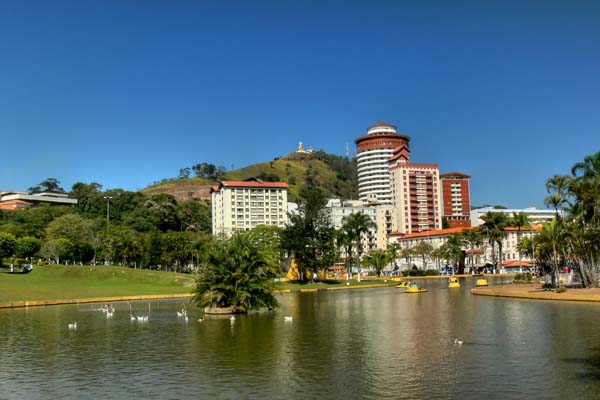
column 113, row 226
column 239, row 273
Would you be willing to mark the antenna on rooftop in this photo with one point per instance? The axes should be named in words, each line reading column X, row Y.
column 347, row 151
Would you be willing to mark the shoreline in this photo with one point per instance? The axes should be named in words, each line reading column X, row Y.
column 58, row 302
column 535, row 292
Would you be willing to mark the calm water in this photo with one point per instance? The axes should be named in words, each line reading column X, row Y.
column 375, row 344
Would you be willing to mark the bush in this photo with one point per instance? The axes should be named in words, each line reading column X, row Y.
column 518, row 277
column 432, row 272
column 546, row 286
column 561, row 289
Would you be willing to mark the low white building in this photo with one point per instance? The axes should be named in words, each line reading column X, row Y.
column 36, row 198
column 536, row 216
column 243, row 205
column 481, row 255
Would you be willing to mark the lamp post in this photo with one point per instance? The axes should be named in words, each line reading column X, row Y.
column 107, row 211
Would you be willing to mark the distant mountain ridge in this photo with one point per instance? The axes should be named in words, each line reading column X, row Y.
column 336, row 175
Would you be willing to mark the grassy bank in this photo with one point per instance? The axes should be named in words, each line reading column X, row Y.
column 76, row 282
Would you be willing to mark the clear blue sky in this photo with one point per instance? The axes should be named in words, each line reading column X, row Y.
column 125, row 93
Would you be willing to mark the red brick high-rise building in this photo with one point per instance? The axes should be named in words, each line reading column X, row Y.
column 457, row 199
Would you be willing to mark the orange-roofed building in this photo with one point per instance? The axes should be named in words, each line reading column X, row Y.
column 243, row 205
column 14, row 205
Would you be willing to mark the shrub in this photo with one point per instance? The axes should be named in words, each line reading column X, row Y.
column 561, row 289
column 432, row 272
column 546, row 285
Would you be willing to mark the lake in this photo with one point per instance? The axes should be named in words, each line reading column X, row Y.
column 374, row 344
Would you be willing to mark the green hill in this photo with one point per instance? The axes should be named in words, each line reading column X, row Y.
column 334, row 174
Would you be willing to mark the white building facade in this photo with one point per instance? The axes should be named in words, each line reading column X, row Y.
column 243, row 205
column 536, row 216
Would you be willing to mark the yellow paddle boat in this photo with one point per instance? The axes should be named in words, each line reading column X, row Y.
column 414, row 288
column 403, row 284
column 453, row 282
column 481, row 282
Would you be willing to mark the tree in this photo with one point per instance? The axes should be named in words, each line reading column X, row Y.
column 519, row 221
column 184, row 173
column 424, row 250
column 7, row 245
column 194, row 215
column 557, row 187
column 393, row 250
column 355, row 226
column 452, row 250
column 238, row 273
column 551, row 236
column 27, row 246
column 493, row 230
column 377, row 259
column 310, row 237
column 57, row 249
column 49, row 185
column 474, row 239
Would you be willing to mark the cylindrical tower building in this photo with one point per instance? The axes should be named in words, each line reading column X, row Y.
column 373, row 152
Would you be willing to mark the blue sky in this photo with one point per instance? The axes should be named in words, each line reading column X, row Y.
column 125, row 93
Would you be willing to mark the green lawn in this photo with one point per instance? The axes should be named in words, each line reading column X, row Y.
column 56, row 282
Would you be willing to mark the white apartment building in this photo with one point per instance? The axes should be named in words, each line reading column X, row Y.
column 382, row 215
column 535, row 215
column 243, row 205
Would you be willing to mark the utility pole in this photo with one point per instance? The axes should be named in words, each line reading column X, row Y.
column 107, row 212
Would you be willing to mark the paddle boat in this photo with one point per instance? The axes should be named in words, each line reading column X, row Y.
column 403, row 284
column 453, row 282
column 481, row 282
column 414, row 288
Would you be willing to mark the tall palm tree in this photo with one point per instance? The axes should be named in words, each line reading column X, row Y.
column 356, row 225
column 558, row 189
column 552, row 236
column 519, row 221
column 493, row 230
column 393, row 250
column 474, row 239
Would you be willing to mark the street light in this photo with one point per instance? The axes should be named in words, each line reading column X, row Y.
column 107, row 211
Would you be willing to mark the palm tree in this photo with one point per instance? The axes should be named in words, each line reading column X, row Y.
column 519, row 221
column 474, row 239
column 393, row 250
column 452, row 250
column 377, row 259
column 557, row 187
column 493, row 230
column 239, row 274
column 355, row 226
column 551, row 236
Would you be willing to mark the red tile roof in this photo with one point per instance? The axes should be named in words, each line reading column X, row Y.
column 281, row 185
column 455, row 174
column 433, row 232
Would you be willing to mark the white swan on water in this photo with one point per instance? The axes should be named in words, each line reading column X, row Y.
column 73, row 326
column 458, row 342
column 287, row 319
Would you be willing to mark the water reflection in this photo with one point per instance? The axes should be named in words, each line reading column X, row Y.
column 377, row 343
